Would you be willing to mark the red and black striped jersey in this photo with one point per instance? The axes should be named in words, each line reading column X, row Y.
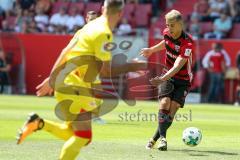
column 183, row 47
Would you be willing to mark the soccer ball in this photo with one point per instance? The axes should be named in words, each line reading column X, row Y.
column 192, row 136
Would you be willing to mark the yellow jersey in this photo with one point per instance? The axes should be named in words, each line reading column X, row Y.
column 90, row 40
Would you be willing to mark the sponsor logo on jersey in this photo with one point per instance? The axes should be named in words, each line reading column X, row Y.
column 188, row 52
column 177, row 48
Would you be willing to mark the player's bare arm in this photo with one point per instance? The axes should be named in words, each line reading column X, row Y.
column 146, row 52
column 179, row 63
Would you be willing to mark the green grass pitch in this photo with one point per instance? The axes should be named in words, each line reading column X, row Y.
column 125, row 134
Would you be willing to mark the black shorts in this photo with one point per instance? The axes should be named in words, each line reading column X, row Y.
column 175, row 89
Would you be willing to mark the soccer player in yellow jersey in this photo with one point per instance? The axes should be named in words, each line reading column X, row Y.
column 90, row 41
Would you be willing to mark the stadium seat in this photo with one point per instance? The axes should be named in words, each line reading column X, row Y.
column 185, row 3
column 128, row 12
column 142, row 15
column 141, row 19
column 206, row 27
column 11, row 21
column 57, row 5
column 144, row 8
column 79, row 5
column 235, row 31
column 202, row 8
column 93, row 7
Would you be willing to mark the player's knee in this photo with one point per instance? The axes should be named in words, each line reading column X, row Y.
column 175, row 105
column 165, row 103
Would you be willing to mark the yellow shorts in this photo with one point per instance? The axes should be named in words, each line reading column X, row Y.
column 81, row 101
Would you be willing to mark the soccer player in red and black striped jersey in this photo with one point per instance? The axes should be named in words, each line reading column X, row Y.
column 179, row 52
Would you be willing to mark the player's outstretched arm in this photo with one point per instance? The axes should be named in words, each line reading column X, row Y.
column 179, row 63
column 146, row 52
column 60, row 59
column 44, row 88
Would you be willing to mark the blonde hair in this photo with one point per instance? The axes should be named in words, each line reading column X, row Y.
column 114, row 6
column 174, row 15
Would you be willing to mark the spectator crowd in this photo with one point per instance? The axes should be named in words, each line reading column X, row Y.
column 220, row 15
column 42, row 16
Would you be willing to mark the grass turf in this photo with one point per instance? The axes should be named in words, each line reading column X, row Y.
column 126, row 132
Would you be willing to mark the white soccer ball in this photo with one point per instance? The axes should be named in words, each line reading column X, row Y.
column 192, row 136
